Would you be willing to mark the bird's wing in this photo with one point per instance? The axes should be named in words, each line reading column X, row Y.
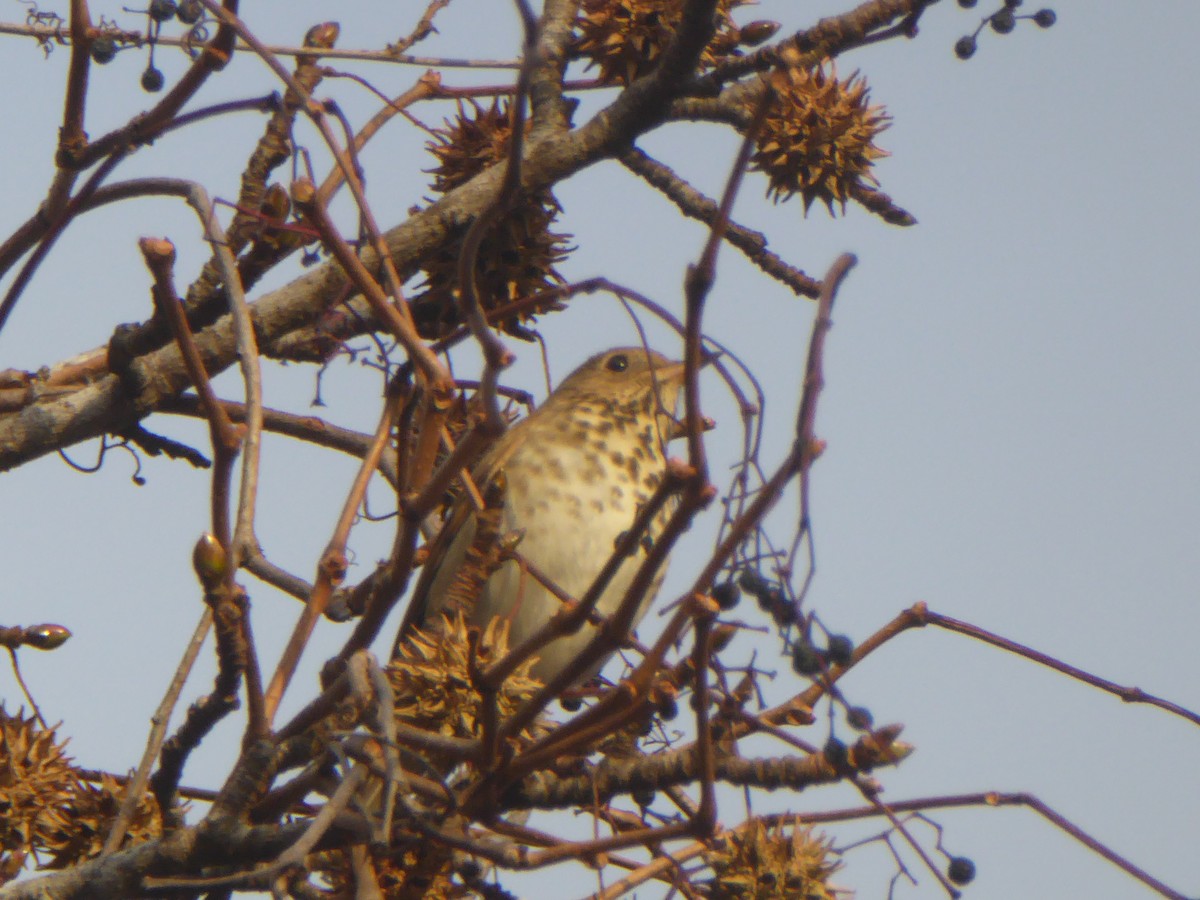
column 442, row 581
column 446, row 552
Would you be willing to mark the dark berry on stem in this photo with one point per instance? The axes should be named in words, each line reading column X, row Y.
column 1003, row 22
column 779, row 606
column 806, row 659
column 965, row 47
column 840, row 649
column 104, row 49
column 754, row 33
column 469, row 868
column 753, row 583
column 161, row 10
column 961, row 870
column 668, row 708
column 836, row 753
column 1045, row 17
column 727, row 594
column 152, row 80
column 643, row 797
column 189, row 11
column 859, row 718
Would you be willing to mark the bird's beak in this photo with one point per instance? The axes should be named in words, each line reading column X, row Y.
column 672, row 373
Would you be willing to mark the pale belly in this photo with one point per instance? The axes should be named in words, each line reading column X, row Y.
column 569, row 535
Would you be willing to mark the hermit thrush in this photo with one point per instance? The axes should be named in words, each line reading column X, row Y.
column 572, row 476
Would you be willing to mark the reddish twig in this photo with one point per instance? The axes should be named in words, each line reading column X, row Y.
column 997, row 799
column 421, row 30
column 214, row 57
column 304, row 195
column 332, row 567
column 918, row 616
column 428, row 85
column 72, row 136
column 1129, row 694
column 158, row 730
column 310, row 429
column 698, row 283
column 495, row 356
column 226, row 437
column 695, row 205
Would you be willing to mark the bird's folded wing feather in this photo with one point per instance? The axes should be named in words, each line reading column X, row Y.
column 448, row 550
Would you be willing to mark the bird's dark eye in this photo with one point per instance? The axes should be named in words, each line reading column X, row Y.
column 617, row 363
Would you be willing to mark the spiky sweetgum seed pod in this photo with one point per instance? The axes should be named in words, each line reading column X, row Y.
column 818, row 139
column 84, row 822
column 517, row 257
column 36, row 781
column 392, row 871
column 626, row 38
column 431, row 679
column 763, row 863
column 477, row 137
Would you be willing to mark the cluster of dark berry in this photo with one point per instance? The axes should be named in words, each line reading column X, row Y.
column 1002, row 21
column 770, row 596
column 105, row 46
column 187, row 11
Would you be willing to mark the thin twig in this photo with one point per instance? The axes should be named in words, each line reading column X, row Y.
column 310, row 429
column 226, row 438
column 43, row 32
column 37, row 713
column 332, row 566
column 695, row 205
column 158, row 729
column 998, row 799
column 305, row 196
column 316, row 828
